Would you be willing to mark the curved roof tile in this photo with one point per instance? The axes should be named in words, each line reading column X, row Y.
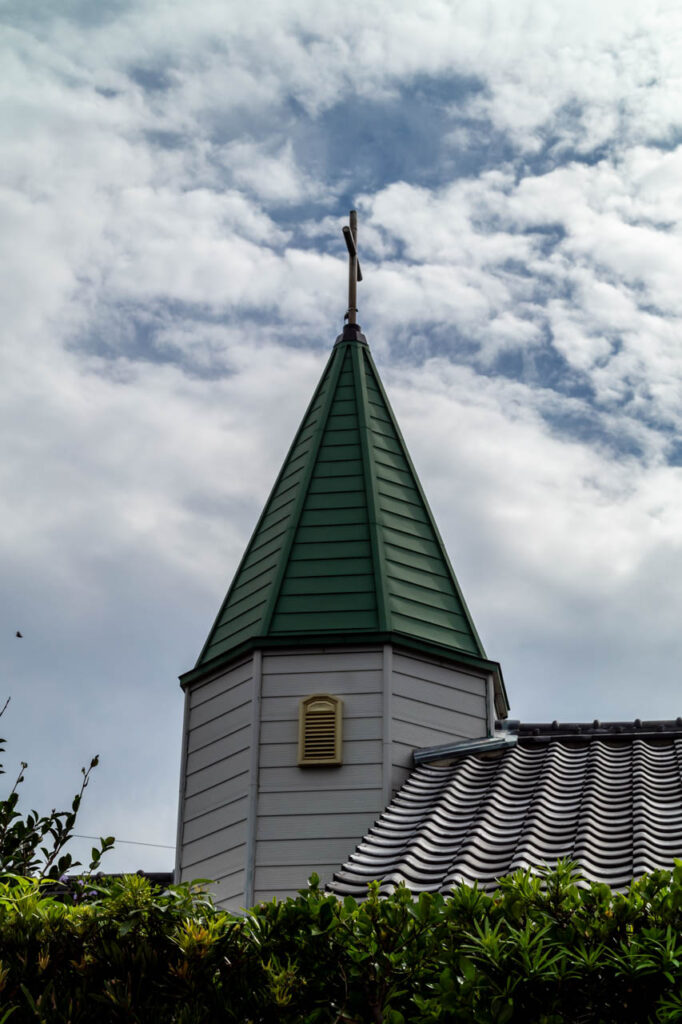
column 606, row 796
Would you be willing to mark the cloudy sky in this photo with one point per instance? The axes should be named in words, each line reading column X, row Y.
column 173, row 180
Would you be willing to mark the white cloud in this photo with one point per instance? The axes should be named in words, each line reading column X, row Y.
column 143, row 158
column 272, row 177
column 556, row 545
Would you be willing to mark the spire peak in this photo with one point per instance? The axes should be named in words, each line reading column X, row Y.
column 346, row 549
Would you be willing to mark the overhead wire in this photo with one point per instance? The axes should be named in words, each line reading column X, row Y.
column 128, row 842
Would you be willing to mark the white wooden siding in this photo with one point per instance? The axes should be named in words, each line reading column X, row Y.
column 218, row 685
column 228, row 891
column 299, row 804
column 309, row 819
column 285, row 709
column 434, row 703
column 214, row 802
column 304, row 820
column 336, row 824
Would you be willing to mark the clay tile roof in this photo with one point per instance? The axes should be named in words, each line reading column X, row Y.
column 606, row 795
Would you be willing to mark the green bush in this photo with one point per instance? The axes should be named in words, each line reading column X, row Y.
column 538, row 950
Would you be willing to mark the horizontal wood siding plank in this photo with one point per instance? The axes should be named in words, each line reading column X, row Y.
column 350, row 826
column 282, row 881
column 280, row 755
column 363, row 705
column 437, row 672
column 215, row 774
column 339, row 683
column 220, row 864
column 417, row 735
column 353, row 729
column 232, row 721
column 301, row 805
column 223, row 748
column 285, row 852
column 219, row 795
column 441, row 717
column 221, row 704
column 216, row 820
column 217, row 844
column 235, row 675
column 228, row 892
column 338, row 660
column 439, row 703
column 287, row 780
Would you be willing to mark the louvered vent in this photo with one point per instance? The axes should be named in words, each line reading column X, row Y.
column 319, row 730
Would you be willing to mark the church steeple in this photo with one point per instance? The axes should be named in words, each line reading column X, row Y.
column 346, row 545
column 345, row 603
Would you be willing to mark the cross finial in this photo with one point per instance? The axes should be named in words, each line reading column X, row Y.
column 354, row 272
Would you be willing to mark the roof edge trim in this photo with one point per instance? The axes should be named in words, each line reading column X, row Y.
column 399, row 640
column 481, row 745
column 207, row 643
column 427, row 507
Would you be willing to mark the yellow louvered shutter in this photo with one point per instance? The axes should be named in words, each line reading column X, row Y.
column 319, row 730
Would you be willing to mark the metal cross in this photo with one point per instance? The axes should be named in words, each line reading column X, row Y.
column 354, row 272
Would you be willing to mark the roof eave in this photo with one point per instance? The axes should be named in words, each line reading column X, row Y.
column 404, row 640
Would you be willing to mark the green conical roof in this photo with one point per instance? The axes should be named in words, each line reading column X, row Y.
column 346, row 546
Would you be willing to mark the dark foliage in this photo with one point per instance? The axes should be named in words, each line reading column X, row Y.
column 540, row 951
column 32, row 844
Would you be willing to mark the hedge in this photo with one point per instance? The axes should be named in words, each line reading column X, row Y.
column 540, row 949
